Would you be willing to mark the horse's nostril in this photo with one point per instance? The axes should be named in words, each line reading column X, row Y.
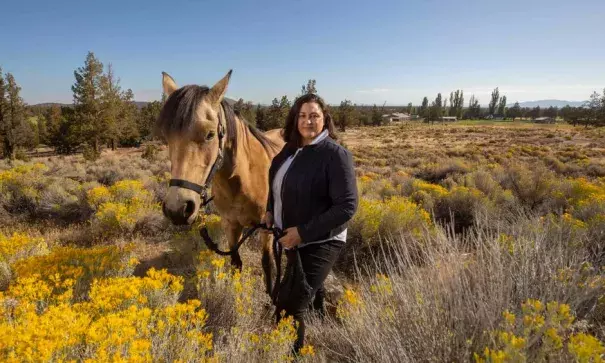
column 189, row 209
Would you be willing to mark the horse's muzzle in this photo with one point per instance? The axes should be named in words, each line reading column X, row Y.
column 181, row 216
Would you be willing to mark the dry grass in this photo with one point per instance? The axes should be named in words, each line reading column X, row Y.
column 458, row 226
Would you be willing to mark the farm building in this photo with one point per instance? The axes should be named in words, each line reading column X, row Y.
column 544, row 120
column 449, row 119
column 395, row 116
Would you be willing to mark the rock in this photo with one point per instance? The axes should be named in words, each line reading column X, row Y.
column 334, row 289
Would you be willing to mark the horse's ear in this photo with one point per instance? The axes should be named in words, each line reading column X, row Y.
column 217, row 92
column 168, row 84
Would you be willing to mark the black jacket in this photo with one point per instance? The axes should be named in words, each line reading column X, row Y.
column 319, row 191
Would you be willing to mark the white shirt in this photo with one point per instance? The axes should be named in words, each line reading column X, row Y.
column 277, row 185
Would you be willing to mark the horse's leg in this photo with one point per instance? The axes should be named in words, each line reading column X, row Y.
column 234, row 233
column 267, row 240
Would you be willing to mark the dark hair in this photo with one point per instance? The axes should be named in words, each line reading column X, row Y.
column 291, row 134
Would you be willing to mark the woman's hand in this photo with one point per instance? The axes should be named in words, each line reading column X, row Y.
column 291, row 238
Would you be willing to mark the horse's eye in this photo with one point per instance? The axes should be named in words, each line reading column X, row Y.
column 210, row 136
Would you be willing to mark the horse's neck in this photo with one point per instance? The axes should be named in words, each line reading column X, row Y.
column 237, row 158
column 235, row 176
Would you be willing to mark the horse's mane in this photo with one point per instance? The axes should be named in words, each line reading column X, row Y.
column 178, row 116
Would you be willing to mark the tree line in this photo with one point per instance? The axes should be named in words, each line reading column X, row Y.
column 102, row 115
column 591, row 113
column 105, row 115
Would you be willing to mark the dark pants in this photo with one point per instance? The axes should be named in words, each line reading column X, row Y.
column 317, row 261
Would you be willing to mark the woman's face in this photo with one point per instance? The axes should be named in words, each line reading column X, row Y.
column 310, row 121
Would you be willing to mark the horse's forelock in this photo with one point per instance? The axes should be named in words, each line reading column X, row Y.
column 178, row 113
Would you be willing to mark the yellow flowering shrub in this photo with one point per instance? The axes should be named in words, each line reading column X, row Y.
column 460, row 205
column 215, row 277
column 56, row 334
column 14, row 248
column 270, row 345
column 35, row 294
column 393, row 216
column 97, row 196
column 26, row 189
column 372, row 186
column 214, row 225
column 540, row 333
column 113, row 218
column 21, row 173
column 81, row 265
column 349, row 304
column 232, row 298
column 39, row 324
column 424, row 193
column 582, row 199
column 157, row 289
column 382, row 285
column 586, row 348
column 19, row 246
column 581, row 191
column 434, row 190
column 130, row 191
column 119, row 208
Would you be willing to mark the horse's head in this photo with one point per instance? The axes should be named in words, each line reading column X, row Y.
column 192, row 123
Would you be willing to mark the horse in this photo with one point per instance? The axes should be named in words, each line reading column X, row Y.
column 211, row 147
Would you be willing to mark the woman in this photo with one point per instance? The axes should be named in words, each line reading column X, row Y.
column 312, row 196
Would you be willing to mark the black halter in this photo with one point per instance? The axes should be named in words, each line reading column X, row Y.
column 202, row 190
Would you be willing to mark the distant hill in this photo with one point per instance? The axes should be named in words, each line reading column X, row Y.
column 50, row 104
column 140, row 104
column 549, row 103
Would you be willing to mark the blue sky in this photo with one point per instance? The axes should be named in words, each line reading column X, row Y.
column 365, row 51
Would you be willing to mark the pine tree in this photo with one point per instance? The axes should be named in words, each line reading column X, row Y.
column 42, row 130
column 437, row 107
column 87, row 102
column 65, row 137
column 345, row 114
column 456, row 103
column 514, row 111
column 474, row 108
column 14, row 129
column 53, row 118
column 111, row 106
column 376, row 116
column 602, row 113
column 245, row 110
column 147, row 118
column 424, row 109
column 127, row 130
column 249, row 113
column 502, row 107
column 3, row 109
column 309, row 88
column 284, row 108
column 238, row 106
column 593, row 109
column 494, row 101
column 277, row 113
column 261, row 120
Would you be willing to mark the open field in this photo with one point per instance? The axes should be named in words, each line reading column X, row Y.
column 472, row 242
